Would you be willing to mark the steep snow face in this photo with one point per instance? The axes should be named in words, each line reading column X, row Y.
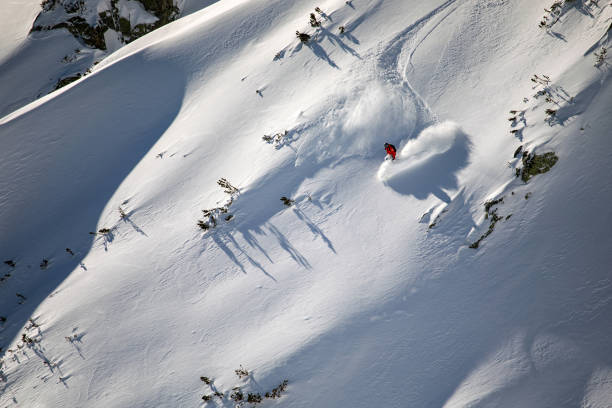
column 439, row 279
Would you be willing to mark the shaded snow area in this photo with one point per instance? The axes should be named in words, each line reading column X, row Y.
column 207, row 218
column 428, row 164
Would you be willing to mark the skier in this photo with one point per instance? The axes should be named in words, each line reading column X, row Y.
column 390, row 149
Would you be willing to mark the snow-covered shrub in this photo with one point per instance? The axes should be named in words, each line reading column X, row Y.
column 287, row 201
column 206, row 225
column 237, row 395
column 26, row 339
column 122, row 213
column 489, row 204
column 276, row 392
column 241, row 397
column 254, row 398
column 32, row 324
column 277, row 139
column 241, row 372
column 540, row 80
column 229, row 189
column 313, row 21
column 303, row 37
column 211, row 215
column 601, row 57
column 551, row 115
column 494, row 219
column 559, row 7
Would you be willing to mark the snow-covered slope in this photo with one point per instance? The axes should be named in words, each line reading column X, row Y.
column 367, row 290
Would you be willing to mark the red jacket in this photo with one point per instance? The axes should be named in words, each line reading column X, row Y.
column 390, row 149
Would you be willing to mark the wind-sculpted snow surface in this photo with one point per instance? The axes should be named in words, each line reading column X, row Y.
column 428, row 164
column 317, row 270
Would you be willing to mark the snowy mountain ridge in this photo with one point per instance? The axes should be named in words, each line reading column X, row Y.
column 470, row 272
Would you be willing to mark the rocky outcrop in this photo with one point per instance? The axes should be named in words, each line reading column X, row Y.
column 75, row 16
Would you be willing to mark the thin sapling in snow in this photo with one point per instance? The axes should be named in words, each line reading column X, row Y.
column 241, row 372
column 237, row 395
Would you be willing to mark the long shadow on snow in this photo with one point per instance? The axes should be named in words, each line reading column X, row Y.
column 81, row 168
column 337, row 41
column 320, row 53
column 255, row 208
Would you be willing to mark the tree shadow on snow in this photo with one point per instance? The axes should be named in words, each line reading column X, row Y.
column 223, row 240
column 337, row 41
column 319, row 51
column 253, row 210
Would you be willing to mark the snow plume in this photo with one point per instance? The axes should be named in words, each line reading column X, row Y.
column 428, row 163
column 359, row 123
